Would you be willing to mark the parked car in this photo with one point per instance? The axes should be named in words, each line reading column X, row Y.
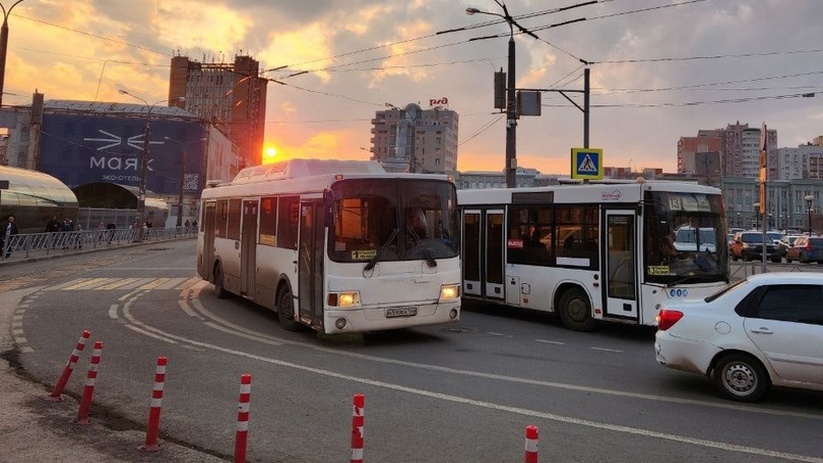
column 806, row 249
column 761, row 331
column 748, row 245
column 687, row 240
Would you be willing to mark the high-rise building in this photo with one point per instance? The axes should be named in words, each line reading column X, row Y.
column 230, row 96
column 738, row 147
column 415, row 140
column 691, row 158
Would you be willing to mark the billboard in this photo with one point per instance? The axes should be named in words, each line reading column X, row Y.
column 86, row 148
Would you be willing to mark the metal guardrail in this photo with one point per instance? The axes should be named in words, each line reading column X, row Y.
column 741, row 270
column 32, row 245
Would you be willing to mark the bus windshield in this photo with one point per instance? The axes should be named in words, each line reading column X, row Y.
column 686, row 238
column 393, row 220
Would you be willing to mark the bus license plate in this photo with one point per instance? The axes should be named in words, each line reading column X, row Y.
column 401, row 312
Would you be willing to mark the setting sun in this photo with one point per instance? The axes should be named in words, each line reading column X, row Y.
column 269, row 154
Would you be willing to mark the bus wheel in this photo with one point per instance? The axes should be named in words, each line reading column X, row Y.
column 219, row 290
column 285, row 311
column 575, row 311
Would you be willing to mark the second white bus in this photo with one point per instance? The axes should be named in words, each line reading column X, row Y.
column 590, row 252
column 339, row 246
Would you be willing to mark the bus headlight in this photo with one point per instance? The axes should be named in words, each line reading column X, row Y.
column 449, row 292
column 345, row 299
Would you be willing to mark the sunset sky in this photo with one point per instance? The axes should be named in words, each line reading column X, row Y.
column 660, row 69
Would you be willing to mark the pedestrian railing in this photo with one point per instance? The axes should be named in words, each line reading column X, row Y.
column 31, row 245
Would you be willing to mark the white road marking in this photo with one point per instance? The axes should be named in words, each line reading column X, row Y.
column 504, row 408
column 606, row 349
column 546, row 341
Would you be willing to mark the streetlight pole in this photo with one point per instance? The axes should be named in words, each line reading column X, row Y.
column 182, row 176
column 511, row 109
column 4, row 44
column 144, row 165
column 809, row 199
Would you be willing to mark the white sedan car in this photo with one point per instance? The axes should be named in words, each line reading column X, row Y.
column 762, row 331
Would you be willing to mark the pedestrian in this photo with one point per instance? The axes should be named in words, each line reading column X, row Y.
column 78, row 231
column 8, row 230
column 53, row 228
column 101, row 228
column 67, row 228
column 111, row 227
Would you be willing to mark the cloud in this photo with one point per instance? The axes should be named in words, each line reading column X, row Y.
column 364, row 53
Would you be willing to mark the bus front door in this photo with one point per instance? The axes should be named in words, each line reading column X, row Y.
column 310, row 263
column 248, row 249
column 620, row 268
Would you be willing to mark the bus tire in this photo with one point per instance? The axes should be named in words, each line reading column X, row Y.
column 219, row 289
column 576, row 311
column 285, row 311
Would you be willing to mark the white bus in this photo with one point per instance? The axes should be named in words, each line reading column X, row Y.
column 339, row 246
column 590, row 252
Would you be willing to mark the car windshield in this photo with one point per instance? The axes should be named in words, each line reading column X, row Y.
column 726, row 289
column 774, row 236
column 754, row 237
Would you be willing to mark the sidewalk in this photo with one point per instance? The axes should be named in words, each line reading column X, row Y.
column 33, row 430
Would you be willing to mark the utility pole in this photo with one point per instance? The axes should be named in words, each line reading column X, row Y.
column 4, row 44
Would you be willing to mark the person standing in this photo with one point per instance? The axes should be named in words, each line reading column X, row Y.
column 9, row 229
column 53, row 227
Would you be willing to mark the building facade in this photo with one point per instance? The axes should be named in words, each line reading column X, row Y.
column 739, row 151
column 87, row 142
column 415, row 140
column 803, row 162
column 230, row 96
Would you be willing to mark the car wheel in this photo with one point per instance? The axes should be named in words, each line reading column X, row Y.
column 285, row 311
column 219, row 289
column 575, row 311
column 776, row 260
column 788, row 260
column 734, row 258
column 740, row 377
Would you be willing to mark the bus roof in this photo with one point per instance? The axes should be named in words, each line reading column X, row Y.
column 591, row 192
column 302, row 168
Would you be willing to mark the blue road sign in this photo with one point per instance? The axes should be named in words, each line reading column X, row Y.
column 587, row 163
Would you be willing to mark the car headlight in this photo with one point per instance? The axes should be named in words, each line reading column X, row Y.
column 449, row 292
column 344, row 299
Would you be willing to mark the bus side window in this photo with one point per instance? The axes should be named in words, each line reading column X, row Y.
column 287, row 222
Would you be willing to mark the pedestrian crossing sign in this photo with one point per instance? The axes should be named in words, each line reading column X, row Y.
column 587, row 163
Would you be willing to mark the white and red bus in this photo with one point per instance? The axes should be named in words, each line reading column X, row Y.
column 589, row 252
column 339, row 246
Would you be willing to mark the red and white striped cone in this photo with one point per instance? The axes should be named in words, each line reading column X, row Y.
column 531, row 444
column 57, row 393
column 153, row 427
column 88, row 390
column 357, row 427
column 242, row 419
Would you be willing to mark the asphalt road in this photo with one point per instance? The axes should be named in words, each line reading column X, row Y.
column 461, row 392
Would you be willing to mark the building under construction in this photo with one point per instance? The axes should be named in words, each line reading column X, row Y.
column 230, row 96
